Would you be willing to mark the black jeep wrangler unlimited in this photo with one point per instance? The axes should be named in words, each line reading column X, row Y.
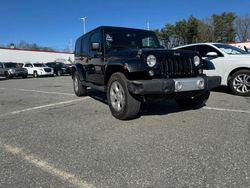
column 131, row 66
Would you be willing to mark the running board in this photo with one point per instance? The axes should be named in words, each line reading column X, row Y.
column 93, row 86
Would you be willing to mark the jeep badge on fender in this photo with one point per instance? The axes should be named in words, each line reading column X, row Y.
column 131, row 66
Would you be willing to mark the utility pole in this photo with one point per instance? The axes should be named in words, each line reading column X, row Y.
column 148, row 24
column 84, row 24
column 148, row 28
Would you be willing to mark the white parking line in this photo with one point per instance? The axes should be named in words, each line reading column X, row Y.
column 38, row 91
column 226, row 110
column 47, row 167
column 43, row 106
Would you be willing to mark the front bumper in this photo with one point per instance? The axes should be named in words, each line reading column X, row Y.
column 170, row 86
column 43, row 73
column 17, row 74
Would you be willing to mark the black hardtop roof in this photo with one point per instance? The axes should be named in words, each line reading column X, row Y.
column 113, row 27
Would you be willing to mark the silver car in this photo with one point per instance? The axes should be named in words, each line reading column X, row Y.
column 11, row 70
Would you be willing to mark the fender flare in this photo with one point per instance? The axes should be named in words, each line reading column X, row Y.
column 80, row 70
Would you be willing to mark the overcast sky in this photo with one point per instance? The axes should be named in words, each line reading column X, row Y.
column 54, row 23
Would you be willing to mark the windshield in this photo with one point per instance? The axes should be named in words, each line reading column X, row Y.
column 10, row 65
column 130, row 38
column 231, row 50
column 39, row 65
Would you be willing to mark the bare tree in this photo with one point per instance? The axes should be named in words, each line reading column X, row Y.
column 242, row 27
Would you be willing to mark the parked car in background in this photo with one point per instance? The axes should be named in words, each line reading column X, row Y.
column 59, row 68
column 38, row 69
column 229, row 62
column 10, row 70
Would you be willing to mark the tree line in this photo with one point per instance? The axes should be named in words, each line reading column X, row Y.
column 33, row 46
column 225, row 27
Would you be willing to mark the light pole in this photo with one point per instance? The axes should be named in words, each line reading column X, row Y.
column 148, row 24
column 84, row 24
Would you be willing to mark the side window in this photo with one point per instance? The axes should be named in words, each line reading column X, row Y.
column 149, row 42
column 85, row 46
column 28, row 65
column 190, row 48
column 96, row 38
column 204, row 49
column 78, row 47
column 1, row 66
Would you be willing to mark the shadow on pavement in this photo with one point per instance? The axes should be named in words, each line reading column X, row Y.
column 159, row 107
column 222, row 89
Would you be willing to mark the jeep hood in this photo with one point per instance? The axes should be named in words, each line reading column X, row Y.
column 133, row 53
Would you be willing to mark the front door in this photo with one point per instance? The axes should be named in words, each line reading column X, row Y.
column 95, row 71
column 29, row 67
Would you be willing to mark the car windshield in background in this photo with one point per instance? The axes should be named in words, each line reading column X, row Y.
column 39, row 65
column 231, row 50
column 129, row 38
column 10, row 65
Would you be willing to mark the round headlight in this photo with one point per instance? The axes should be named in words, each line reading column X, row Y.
column 151, row 60
column 197, row 60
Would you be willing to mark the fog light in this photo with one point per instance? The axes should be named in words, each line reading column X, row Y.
column 151, row 73
column 178, row 86
column 201, row 84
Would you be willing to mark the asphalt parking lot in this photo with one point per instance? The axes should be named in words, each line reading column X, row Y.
column 51, row 138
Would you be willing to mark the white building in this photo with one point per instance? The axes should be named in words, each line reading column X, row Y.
column 23, row 55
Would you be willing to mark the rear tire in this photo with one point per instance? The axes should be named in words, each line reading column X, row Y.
column 239, row 83
column 79, row 89
column 122, row 104
column 194, row 103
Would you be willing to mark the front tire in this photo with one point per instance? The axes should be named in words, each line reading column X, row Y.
column 194, row 103
column 79, row 89
column 122, row 104
column 8, row 75
column 35, row 75
column 239, row 83
column 59, row 73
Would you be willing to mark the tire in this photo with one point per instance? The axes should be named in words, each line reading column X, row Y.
column 79, row 89
column 122, row 104
column 35, row 75
column 239, row 83
column 7, row 75
column 194, row 103
column 59, row 73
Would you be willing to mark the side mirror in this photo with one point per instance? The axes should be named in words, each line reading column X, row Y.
column 95, row 46
column 212, row 54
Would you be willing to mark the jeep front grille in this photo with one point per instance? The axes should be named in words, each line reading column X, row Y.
column 177, row 66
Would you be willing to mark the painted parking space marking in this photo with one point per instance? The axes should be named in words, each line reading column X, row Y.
column 38, row 91
column 226, row 110
column 70, row 94
column 47, row 167
column 43, row 106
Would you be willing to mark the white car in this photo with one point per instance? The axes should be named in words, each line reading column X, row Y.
column 229, row 62
column 38, row 69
